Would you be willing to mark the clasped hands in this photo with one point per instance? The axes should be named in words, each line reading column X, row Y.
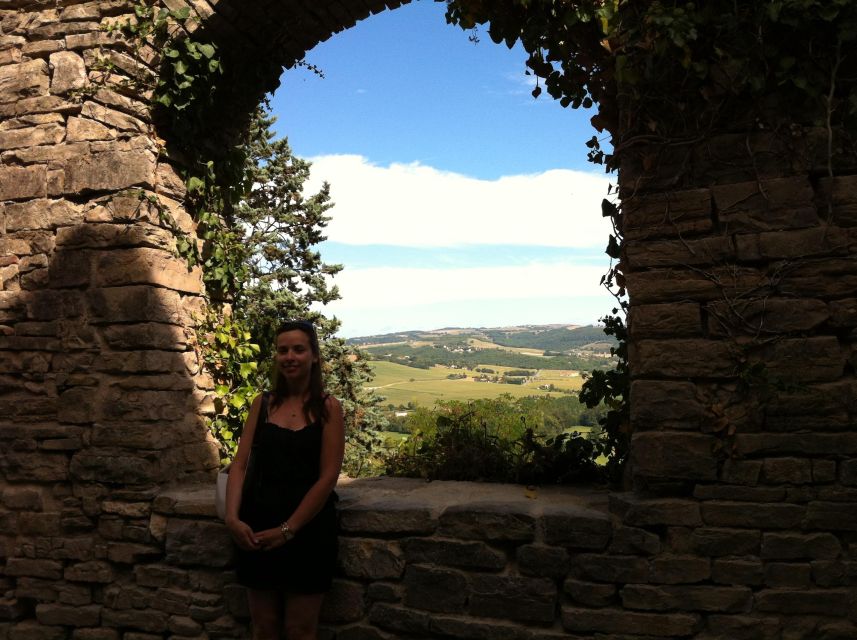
column 250, row 540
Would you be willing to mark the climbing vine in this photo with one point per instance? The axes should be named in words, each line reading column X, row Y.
column 666, row 74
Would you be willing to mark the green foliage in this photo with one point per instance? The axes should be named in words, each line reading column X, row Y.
column 424, row 357
column 233, row 362
column 258, row 231
column 492, row 440
column 558, row 339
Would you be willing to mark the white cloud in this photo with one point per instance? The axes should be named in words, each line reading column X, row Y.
column 387, row 287
column 419, row 206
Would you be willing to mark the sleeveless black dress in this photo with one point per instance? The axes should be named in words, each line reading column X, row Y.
column 284, row 465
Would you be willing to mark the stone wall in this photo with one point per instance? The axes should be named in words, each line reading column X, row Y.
column 741, row 271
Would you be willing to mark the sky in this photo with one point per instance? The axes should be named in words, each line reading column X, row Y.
column 460, row 200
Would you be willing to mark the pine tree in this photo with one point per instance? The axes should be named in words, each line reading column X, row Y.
column 286, row 278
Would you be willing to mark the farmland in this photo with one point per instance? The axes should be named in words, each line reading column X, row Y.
column 401, row 385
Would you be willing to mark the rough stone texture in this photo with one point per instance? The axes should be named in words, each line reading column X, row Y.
column 739, row 265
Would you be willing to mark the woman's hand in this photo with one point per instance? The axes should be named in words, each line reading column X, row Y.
column 270, row 539
column 243, row 535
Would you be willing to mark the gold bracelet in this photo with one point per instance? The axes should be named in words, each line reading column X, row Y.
column 288, row 534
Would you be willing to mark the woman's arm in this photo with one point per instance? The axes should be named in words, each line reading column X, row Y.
column 332, row 450
column 241, row 532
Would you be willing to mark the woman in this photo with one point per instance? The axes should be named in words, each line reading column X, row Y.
column 283, row 518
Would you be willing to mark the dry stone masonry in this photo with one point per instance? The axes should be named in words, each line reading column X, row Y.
column 740, row 522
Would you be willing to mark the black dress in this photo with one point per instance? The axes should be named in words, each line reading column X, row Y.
column 285, row 463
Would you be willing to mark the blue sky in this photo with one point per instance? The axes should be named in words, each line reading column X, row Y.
column 460, row 200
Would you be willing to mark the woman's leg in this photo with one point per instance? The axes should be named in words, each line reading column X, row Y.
column 301, row 617
column 266, row 613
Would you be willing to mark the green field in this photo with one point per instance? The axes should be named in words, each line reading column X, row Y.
column 400, row 384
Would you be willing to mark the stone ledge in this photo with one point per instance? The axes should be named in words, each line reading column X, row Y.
column 415, row 506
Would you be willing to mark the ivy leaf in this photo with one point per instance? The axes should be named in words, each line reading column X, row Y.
column 207, row 50
column 608, row 209
column 195, row 185
column 613, row 249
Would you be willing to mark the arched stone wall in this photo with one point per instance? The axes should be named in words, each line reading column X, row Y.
column 741, row 520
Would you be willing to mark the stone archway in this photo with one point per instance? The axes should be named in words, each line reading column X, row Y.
column 103, row 396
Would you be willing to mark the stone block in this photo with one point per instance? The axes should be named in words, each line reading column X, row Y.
column 23, row 80
column 746, row 571
column 114, row 119
column 542, row 561
column 635, row 541
column 683, row 358
column 146, row 266
column 795, row 546
column 93, row 571
column 197, row 542
column 138, row 303
column 184, row 626
column 810, row 444
column 372, row 559
column 816, row 359
column 836, row 277
column 32, row 630
column 112, row 465
column 69, row 72
column 771, row 315
column 714, row 542
column 130, row 553
column 644, row 512
column 471, row 629
column 610, row 568
column 92, row 235
column 656, row 286
column 843, row 313
column 575, row 527
column 741, row 472
column 69, row 616
column 787, row 471
column 762, row 205
column 39, row 524
column 27, row 466
column 434, row 589
column 22, row 498
column 136, row 620
column 511, row 598
column 591, row 594
column 829, row 602
column 831, row 516
column 687, row 598
column 666, row 404
column 748, row 515
column 160, row 575
column 676, row 320
column 788, row 574
column 679, row 569
column 153, row 335
column 487, row 521
column 823, row 471
column 384, row 592
column 454, row 553
column 17, row 183
column 82, row 129
column 398, row 619
column 613, row 621
column 34, row 568
column 742, row 627
column 677, row 455
column 344, row 603
column 49, row 133
column 680, row 252
column 848, row 472
column 841, row 193
column 667, row 214
column 110, row 171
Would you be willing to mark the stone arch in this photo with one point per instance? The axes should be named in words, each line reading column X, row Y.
column 103, row 394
